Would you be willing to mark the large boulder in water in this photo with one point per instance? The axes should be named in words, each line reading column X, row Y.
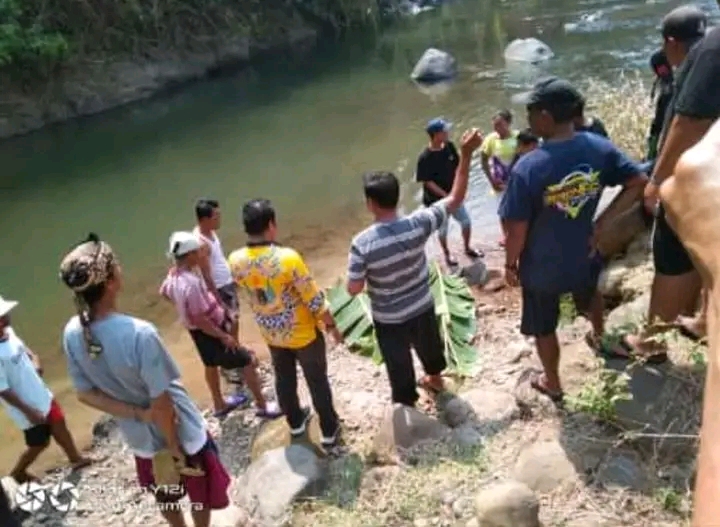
column 434, row 66
column 529, row 50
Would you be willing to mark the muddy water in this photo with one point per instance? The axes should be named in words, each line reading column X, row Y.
column 298, row 131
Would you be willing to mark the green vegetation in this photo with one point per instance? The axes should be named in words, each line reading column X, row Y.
column 454, row 307
column 37, row 36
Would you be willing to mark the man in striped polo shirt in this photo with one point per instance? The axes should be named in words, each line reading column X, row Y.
column 389, row 256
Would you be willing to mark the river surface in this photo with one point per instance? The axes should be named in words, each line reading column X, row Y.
column 297, row 130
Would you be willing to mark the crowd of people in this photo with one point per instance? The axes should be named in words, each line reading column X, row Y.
column 548, row 179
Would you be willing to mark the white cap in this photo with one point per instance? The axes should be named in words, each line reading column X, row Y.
column 183, row 242
column 6, row 306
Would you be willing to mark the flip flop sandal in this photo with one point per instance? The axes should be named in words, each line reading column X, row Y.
column 271, row 411
column 237, row 399
column 690, row 334
column 533, row 378
column 606, row 351
column 472, row 253
column 451, row 262
column 635, row 354
column 232, row 403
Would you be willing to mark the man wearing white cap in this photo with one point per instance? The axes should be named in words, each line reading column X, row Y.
column 209, row 325
column 28, row 401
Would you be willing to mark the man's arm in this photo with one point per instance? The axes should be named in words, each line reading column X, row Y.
column 696, row 108
column 158, row 371
column 516, row 210
column 206, row 270
column 356, row 271
column 89, row 395
column 312, row 296
column 198, row 309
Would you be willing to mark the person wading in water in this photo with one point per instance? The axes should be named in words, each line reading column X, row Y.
column 216, row 273
column 436, row 169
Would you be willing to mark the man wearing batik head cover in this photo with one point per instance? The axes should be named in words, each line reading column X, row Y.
column 119, row 365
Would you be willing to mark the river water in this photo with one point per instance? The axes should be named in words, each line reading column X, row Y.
column 297, row 130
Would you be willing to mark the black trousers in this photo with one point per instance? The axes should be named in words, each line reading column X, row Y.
column 313, row 361
column 421, row 333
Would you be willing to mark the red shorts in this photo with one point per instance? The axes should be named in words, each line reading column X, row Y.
column 208, row 491
column 39, row 435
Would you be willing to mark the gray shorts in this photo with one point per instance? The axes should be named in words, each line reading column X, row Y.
column 229, row 296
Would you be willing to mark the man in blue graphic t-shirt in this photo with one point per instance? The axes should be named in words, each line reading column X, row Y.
column 549, row 208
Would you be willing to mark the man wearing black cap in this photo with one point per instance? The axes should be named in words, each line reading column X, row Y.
column 694, row 107
column 436, row 168
column 549, row 207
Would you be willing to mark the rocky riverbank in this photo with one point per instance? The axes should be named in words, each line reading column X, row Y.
column 493, row 454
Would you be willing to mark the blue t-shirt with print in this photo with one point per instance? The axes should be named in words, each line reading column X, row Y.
column 556, row 189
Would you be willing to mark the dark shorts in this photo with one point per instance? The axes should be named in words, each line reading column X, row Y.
column 541, row 310
column 208, row 491
column 669, row 254
column 213, row 353
column 229, row 296
column 39, row 435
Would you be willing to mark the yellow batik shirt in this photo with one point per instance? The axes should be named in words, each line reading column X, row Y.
column 286, row 301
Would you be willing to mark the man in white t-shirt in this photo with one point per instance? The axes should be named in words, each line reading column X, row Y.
column 217, row 277
column 29, row 402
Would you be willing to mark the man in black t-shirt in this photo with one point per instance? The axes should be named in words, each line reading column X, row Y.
column 694, row 107
column 436, row 168
column 589, row 124
column 663, row 88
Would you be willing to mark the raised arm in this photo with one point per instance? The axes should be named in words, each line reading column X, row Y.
column 471, row 141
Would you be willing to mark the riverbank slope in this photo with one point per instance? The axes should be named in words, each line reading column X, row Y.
column 60, row 60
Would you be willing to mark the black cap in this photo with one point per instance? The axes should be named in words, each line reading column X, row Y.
column 551, row 93
column 685, row 23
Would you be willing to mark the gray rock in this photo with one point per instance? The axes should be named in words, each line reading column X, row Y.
column 278, row 478
column 544, row 466
column 475, row 273
column 622, row 471
column 509, row 504
column 104, row 428
column 434, row 66
column 467, row 436
column 404, row 427
column 529, row 50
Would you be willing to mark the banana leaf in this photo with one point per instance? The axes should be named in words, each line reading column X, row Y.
column 454, row 308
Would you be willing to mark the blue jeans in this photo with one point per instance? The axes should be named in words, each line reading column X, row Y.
column 461, row 216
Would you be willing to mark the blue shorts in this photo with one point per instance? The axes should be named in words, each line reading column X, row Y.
column 541, row 310
column 461, row 216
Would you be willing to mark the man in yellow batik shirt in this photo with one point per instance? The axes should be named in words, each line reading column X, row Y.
column 290, row 309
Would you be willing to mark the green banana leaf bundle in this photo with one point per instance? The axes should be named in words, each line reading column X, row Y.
column 454, row 308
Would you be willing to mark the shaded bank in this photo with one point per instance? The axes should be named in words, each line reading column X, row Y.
column 60, row 60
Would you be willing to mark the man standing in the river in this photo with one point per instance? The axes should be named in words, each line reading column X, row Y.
column 389, row 256
column 218, row 279
column 436, row 168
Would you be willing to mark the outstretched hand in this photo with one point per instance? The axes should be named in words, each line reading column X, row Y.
column 471, row 140
column 691, row 198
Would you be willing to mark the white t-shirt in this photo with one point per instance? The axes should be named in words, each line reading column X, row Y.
column 17, row 373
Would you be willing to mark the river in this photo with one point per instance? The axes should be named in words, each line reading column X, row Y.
column 297, row 130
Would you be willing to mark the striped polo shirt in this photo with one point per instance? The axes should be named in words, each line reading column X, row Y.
column 390, row 257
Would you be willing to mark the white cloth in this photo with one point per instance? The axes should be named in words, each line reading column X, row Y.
column 219, row 267
column 17, row 373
